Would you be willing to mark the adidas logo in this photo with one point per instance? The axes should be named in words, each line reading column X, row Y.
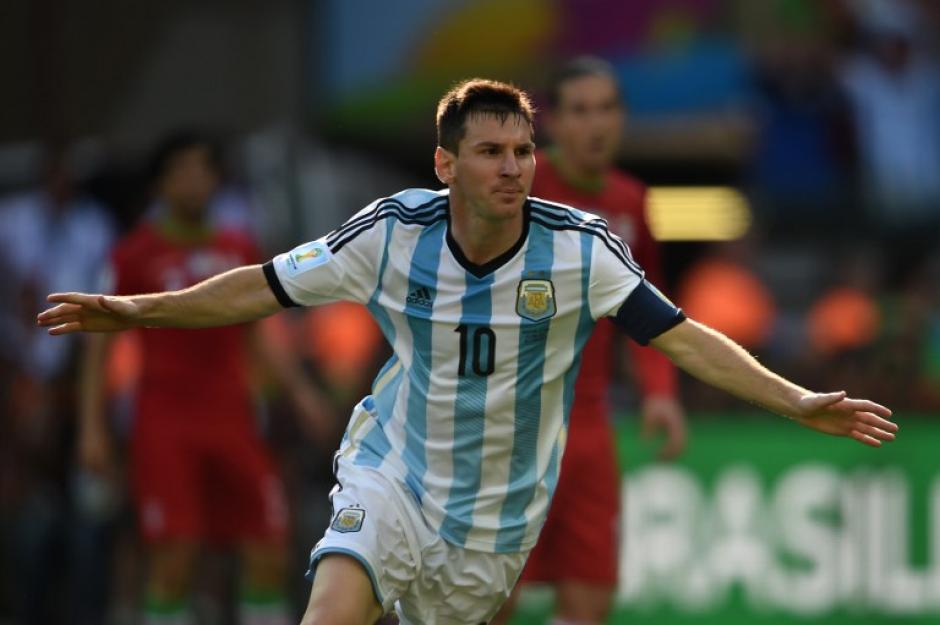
column 421, row 296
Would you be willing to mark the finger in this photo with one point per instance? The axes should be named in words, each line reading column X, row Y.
column 874, row 432
column 85, row 300
column 57, row 321
column 864, row 405
column 66, row 328
column 878, row 422
column 48, row 320
column 822, row 400
column 71, row 297
column 61, row 309
column 51, row 320
column 865, row 439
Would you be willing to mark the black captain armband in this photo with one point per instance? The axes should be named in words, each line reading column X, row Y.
column 647, row 313
column 276, row 287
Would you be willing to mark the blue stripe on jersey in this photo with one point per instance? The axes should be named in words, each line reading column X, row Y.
column 469, row 413
column 375, row 444
column 378, row 312
column 533, row 336
column 422, row 210
column 582, row 334
column 436, row 209
column 423, row 273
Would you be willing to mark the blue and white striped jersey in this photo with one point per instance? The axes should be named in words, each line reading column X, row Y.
column 471, row 410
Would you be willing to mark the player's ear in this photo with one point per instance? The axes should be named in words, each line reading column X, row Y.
column 444, row 163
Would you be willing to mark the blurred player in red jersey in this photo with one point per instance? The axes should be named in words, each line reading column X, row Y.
column 200, row 473
column 578, row 547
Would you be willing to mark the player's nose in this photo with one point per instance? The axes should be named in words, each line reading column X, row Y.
column 509, row 166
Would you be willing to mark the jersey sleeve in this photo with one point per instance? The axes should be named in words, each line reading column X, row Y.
column 342, row 265
column 619, row 290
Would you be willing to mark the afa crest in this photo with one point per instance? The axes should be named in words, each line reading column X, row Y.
column 348, row 520
column 535, row 300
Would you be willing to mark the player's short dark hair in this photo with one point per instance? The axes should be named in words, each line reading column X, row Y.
column 178, row 142
column 578, row 67
column 478, row 96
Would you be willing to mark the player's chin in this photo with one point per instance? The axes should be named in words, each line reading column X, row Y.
column 507, row 204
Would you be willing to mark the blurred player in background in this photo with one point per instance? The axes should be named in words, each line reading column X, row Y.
column 201, row 475
column 577, row 549
column 487, row 295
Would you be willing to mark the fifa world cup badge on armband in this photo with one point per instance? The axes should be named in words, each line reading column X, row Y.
column 536, row 299
column 306, row 257
column 348, row 520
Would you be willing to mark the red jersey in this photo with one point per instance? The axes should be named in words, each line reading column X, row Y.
column 621, row 200
column 186, row 374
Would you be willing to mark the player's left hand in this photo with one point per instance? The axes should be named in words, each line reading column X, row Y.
column 664, row 413
column 839, row 415
column 83, row 312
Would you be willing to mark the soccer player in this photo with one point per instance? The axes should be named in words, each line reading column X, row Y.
column 577, row 548
column 487, row 297
column 201, row 474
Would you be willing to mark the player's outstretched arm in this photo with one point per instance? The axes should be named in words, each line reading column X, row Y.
column 232, row 297
column 714, row 358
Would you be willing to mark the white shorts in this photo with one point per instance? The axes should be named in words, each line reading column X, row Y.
column 428, row 581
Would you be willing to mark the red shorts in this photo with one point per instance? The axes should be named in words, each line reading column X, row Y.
column 207, row 482
column 579, row 541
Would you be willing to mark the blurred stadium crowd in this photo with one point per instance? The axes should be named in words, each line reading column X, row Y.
column 833, row 137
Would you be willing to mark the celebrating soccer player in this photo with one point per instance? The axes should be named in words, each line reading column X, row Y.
column 487, row 297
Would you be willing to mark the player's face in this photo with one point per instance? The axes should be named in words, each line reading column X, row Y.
column 491, row 174
column 189, row 182
column 587, row 122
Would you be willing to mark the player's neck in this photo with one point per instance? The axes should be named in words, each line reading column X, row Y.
column 481, row 240
column 583, row 179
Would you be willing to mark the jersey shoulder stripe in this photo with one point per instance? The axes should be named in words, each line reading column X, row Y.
column 574, row 216
column 561, row 217
column 412, row 201
column 425, row 214
column 389, row 211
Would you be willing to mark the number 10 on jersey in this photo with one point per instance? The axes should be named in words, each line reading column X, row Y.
column 479, row 345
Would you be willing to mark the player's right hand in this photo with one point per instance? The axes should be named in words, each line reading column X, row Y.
column 81, row 312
